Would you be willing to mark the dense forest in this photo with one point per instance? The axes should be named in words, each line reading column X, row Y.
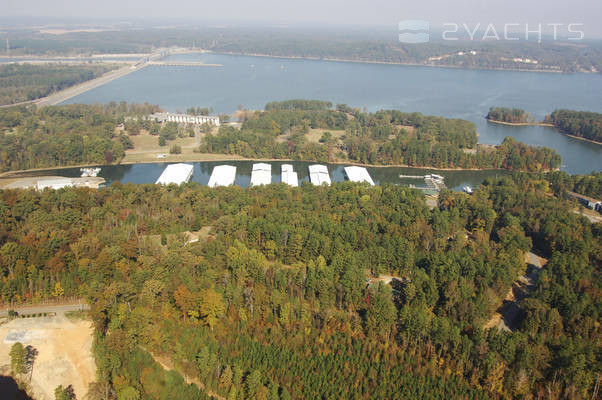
column 584, row 124
column 280, row 299
column 355, row 45
column 588, row 185
column 510, row 115
column 387, row 137
column 24, row 82
column 66, row 135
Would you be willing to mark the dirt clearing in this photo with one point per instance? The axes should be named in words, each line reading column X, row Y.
column 64, row 353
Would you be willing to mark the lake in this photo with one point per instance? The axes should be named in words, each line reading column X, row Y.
column 253, row 81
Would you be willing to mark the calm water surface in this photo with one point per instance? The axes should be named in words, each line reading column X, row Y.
column 149, row 172
column 253, row 81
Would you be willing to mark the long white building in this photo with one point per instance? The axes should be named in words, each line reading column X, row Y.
column 176, row 173
column 186, row 118
column 318, row 174
column 261, row 174
column 289, row 176
column 222, row 175
column 358, row 174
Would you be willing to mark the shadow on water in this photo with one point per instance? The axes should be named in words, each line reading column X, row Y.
column 10, row 390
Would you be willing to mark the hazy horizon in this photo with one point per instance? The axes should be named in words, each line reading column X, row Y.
column 324, row 14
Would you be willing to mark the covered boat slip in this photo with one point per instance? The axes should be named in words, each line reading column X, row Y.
column 261, row 174
column 222, row 175
column 289, row 176
column 176, row 173
column 358, row 174
column 318, row 174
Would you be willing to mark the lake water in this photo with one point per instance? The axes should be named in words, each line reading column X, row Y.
column 149, row 172
column 253, row 81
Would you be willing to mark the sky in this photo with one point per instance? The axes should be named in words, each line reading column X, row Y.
column 360, row 13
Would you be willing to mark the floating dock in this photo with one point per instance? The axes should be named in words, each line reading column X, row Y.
column 358, row 174
column 176, row 173
column 222, row 175
column 289, row 176
column 261, row 174
column 318, row 174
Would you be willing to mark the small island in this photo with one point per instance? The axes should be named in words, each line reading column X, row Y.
column 512, row 116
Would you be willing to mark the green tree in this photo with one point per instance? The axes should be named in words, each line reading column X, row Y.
column 18, row 359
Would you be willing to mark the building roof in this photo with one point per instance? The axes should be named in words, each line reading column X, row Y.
column 289, row 176
column 222, row 175
column 175, row 173
column 358, row 174
column 261, row 174
column 318, row 174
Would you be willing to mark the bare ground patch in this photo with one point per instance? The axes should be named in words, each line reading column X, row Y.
column 64, row 352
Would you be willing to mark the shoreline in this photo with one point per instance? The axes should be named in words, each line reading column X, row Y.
column 579, row 137
column 408, row 64
column 546, row 124
column 494, row 121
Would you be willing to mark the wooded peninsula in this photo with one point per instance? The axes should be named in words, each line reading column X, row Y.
column 581, row 124
column 78, row 134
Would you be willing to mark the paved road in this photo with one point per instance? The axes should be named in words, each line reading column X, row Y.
column 46, row 308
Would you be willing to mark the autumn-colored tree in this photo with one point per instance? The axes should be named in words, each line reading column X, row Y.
column 211, row 307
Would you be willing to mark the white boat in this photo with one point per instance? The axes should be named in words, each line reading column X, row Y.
column 467, row 189
column 437, row 177
column 89, row 172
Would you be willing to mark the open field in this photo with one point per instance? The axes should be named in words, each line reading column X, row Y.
column 64, row 353
column 147, row 149
column 314, row 135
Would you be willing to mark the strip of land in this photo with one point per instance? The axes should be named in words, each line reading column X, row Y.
column 76, row 90
column 534, row 123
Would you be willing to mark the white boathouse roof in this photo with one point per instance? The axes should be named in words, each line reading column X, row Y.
column 261, row 174
column 318, row 174
column 289, row 176
column 358, row 174
column 176, row 173
column 222, row 175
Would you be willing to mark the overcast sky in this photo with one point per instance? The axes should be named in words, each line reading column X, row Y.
column 325, row 12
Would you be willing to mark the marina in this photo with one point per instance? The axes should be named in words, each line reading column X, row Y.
column 261, row 174
column 223, row 175
column 175, row 173
column 294, row 173
column 318, row 175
